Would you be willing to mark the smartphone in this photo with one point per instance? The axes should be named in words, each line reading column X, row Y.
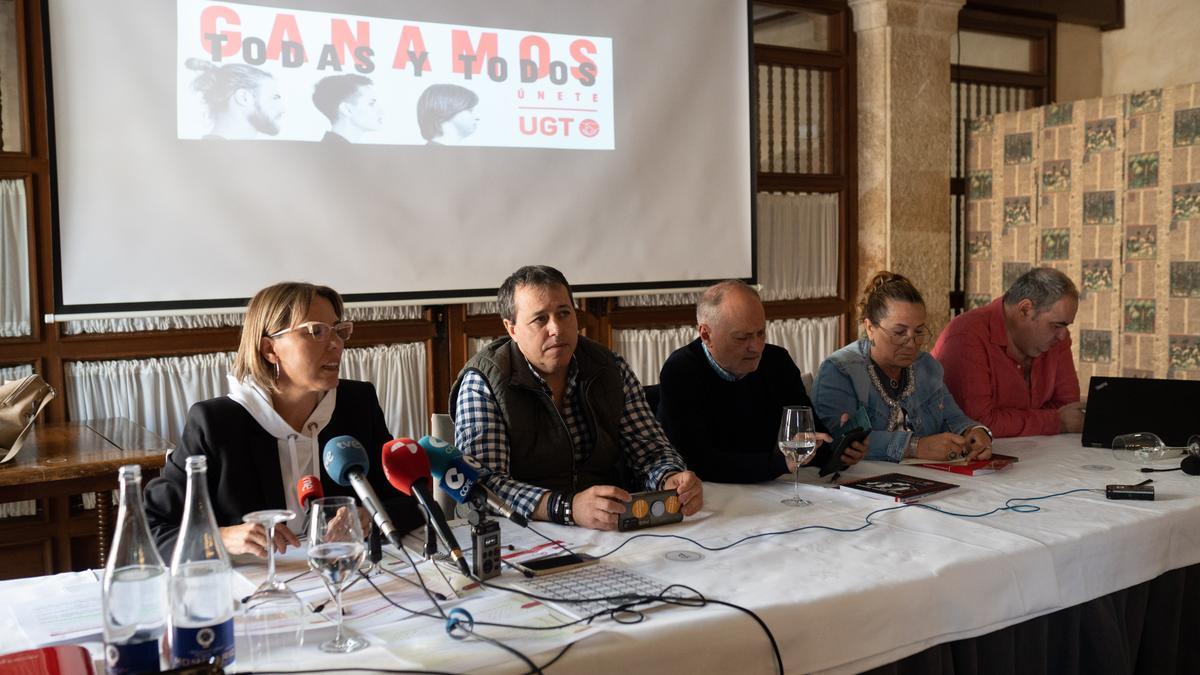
column 554, row 564
column 834, row 463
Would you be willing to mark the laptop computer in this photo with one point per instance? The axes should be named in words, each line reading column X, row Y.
column 1124, row 405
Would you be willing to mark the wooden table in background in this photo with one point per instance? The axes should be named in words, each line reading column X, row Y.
column 57, row 462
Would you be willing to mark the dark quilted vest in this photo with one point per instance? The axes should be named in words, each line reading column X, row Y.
column 541, row 449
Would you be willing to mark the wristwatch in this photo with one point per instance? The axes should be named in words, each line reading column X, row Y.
column 910, row 450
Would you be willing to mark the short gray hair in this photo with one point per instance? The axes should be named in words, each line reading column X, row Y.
column 710, row 301
column 1043, row 286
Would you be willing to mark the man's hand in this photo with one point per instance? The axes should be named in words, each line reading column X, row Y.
column 690, row 489
column 1071, row 418
column 854, row 452
column 252, row 538
column 821, row 438
column 599, row 507
column 941, row 446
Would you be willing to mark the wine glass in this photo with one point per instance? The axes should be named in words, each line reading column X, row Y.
column 274, row 615
column 1193, row 446
column 335, row 550
column 797, row 442
column 1142, row 447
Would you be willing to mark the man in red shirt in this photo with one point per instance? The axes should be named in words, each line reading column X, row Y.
column 1008, row 363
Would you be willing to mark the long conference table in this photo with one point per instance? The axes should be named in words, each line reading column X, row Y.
column 1082, row 584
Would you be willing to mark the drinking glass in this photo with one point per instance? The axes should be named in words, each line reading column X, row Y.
column 1142, row 447
column 274, row 615
column 1193, row 446
column 335, row 550
column 797, row 442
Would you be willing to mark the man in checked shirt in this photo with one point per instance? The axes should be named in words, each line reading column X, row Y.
column 560, row 421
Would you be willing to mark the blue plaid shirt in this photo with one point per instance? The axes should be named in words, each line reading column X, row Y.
column 479, row 431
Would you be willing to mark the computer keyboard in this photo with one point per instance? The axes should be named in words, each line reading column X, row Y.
column 593, row 581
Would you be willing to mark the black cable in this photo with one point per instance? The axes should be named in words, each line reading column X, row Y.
column 1009, row 505
column 628, row 602
column 451, row 626
column 471, row 632
column 557, row 656
column 360, row 669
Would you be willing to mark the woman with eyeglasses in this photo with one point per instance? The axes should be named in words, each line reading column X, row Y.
column 898, row 385
column 285, row 402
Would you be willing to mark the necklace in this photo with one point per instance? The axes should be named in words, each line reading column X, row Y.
column 892, row 396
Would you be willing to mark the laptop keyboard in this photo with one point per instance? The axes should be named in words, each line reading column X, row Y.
column 592, row 582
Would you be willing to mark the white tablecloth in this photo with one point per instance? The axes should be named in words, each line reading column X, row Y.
column 845, row 602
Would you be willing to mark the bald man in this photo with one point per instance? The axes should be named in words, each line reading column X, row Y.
column 723, row 394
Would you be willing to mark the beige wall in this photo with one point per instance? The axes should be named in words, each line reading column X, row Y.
column 1078, row 62
column 1158, row 47
column 9, row 69
column 987, row 50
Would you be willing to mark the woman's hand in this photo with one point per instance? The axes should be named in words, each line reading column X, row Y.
column 944, row 447
column 252, row 538
column 979, row 444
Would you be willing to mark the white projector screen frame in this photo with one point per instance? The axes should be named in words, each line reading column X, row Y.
column 151, row 212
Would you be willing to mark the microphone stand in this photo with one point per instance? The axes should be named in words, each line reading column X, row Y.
column 374, row 549
column 485, row 540
column 431, row 541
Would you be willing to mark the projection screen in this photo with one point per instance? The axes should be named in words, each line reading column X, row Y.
column 395, row 150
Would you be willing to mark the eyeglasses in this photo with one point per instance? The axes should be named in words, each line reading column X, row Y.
column 900, row 337
column 320, row 331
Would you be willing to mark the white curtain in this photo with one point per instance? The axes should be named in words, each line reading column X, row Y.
column 478, row 308
column 808, row 341
column 156, row 393
column 398, row 373
column 14, row 260
column 797, row 245
column 647, row 350
column 797, row 251
column 227, row 319
column 475, row 344
column 16, row 372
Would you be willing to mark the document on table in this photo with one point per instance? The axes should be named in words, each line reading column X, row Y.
column 61, row 608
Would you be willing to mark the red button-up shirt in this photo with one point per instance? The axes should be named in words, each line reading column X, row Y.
column 988, row 383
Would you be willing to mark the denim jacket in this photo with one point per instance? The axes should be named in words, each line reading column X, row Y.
column 843, row 384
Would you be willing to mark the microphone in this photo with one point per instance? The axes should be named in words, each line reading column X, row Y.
column 308, row 488
column 1191, row 465
column 345, row 461
column 407, row 468
column 458, row 476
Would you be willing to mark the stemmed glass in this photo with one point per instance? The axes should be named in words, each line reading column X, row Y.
column 335, row 550
column 797, row 442
column 1142, row 447
column 274, row 614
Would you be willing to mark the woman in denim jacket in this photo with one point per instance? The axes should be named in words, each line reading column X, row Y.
column 912, row 413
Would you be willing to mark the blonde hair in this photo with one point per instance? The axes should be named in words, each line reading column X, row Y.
column 273, row 309
column 885, row 287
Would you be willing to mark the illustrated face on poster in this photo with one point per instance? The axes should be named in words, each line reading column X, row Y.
column 250, row 72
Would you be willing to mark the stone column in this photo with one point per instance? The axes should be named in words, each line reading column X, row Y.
column 904, row 136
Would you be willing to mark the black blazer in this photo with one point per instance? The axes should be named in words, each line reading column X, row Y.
column 243, row 464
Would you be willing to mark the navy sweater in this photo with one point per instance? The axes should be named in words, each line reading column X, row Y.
column 727, row 431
